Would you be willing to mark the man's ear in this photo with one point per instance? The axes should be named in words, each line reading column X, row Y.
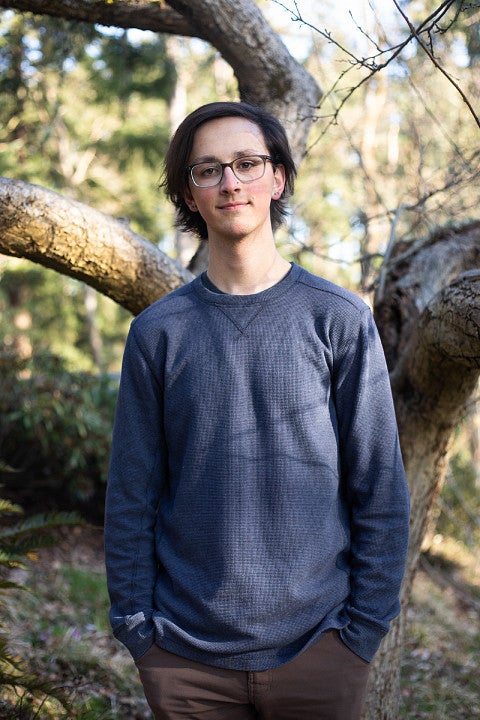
column 189, row 201
column 278, row 181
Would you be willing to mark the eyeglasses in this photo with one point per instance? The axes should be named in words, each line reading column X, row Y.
column 246, row 169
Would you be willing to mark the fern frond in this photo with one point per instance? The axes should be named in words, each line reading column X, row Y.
column 15, row 673
column 41, row 521
column 24, row 547
column 8, row 557
column 36, row 686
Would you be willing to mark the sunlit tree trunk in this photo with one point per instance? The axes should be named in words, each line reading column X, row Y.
column 94, row 336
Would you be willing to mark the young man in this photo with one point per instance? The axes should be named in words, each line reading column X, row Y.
column 257, row 509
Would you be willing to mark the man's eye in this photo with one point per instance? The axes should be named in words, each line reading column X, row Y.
column 247, row 164
column 209, row 171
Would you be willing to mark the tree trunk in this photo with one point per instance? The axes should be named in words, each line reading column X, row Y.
column 94, row 336
column 428, row 314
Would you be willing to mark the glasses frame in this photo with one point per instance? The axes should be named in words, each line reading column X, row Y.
column 265, row 158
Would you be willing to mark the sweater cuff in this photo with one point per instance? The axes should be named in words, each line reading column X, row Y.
column 136, row 632
column 364, row 641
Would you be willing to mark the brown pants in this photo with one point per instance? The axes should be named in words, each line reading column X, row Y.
column 326, row 682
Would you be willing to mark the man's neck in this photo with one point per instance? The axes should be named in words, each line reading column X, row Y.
column 241, row 270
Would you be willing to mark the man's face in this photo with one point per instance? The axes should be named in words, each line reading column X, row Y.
column 233, row 209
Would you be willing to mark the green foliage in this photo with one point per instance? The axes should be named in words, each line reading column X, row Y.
column 119, row 67
column 55, row 429
column 22, row 691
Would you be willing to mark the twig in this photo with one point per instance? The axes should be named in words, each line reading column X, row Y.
column 372, row 64
column 432, row 57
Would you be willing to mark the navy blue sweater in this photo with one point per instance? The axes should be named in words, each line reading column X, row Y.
column 256, row 494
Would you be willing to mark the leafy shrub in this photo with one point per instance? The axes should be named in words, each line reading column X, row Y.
column 55, row 429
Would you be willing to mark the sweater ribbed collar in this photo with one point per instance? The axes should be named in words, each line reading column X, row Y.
column 271, row 293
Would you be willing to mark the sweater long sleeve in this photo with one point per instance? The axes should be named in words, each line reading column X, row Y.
column 256, row 495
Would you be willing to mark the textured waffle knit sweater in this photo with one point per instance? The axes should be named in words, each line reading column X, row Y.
column 256, row 494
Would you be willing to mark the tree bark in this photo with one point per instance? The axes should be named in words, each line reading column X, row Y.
column 76, row 240
column 267, row 74
column 140, row 14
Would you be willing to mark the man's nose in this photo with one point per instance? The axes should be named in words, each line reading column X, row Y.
column 229, row 180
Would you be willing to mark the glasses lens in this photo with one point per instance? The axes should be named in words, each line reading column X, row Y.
column 207, row 174
column 249, row 168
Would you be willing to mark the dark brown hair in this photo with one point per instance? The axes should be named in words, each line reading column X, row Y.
column 175, row 172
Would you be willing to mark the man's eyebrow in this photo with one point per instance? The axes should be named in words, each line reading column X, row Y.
column 204, row 158
column 237, row 154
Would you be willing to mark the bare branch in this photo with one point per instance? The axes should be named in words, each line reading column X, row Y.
column 382, row 57
column 429, row 51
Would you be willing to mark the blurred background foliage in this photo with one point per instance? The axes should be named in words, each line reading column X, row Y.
column 54, row 434
column 87, row 111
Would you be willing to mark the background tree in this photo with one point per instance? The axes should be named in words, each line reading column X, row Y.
column 427, row 295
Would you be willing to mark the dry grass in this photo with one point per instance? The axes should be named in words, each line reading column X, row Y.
column 440, row 674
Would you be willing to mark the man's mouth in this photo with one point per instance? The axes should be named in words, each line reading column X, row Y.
column 232, row 206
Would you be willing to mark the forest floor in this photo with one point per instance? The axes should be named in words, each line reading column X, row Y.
column 60, row 627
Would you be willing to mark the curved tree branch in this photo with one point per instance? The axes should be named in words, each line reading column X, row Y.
column 439, row 371
column 76, row 240
column 237, row 29
column 274, row 79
